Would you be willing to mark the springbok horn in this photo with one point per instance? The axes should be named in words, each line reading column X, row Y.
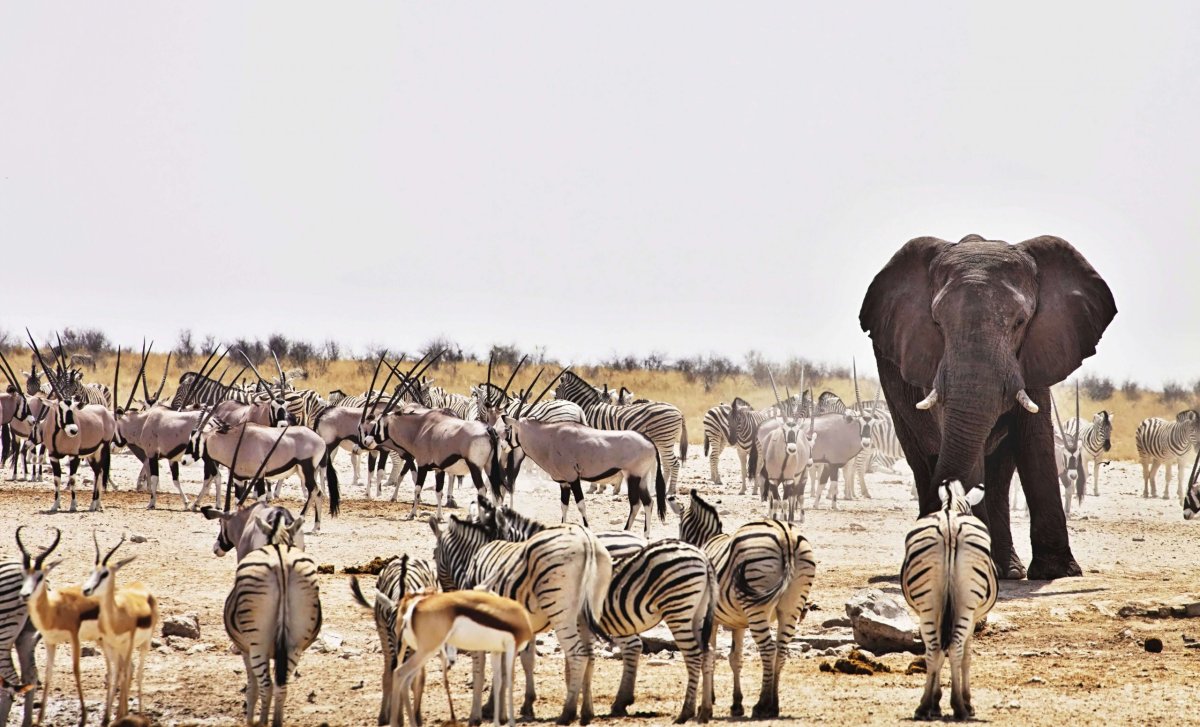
column 775, row 391
column 114, row 548
column 928, row 401
column 37, row 352
column 1026, row 402
column 24, row 553
column 41, row 558
column 514, row 374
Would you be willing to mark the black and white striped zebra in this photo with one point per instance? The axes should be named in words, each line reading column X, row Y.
column 765, row 570
column 717, row 438
column 1161, row 442
column 1096, row 438
column 16, row 632
column 561, row 576
column 830, row 403
column 667, row 580
column 949, row 579
column 489, row 397
column 663, row 424
column 403, row 575
column 272, row 614
column 196, row 388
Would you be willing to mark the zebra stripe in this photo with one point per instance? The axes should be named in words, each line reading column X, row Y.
column 16, row 632
column 764, row 571
column 1161, row 442
column 1096, row 438
column 203, row 390
column 717, row 438
column 273, row 614
column 949, row 579
column 661, row 423
column 667, row 580
column 419, row 575
column 560, row 575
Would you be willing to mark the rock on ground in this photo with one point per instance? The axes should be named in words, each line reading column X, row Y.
column 881, row 623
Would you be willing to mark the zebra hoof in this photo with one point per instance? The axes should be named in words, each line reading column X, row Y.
column 736, row 710
column 684, row 716
column 765, row 711
column 928, row 713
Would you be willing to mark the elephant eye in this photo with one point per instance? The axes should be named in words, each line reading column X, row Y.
column 1020, row 322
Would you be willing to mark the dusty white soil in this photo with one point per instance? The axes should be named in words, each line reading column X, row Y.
column 1059, row 655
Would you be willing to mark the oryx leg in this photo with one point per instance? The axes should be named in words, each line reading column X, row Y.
column 439, row 483
column 72, row 468
column 56, row 471
column 421, row 472
column 577, row 489
column 637, row 499
column 308, row 477
column 100, row 468
column 151, row 467
column 143, row 478
column 453, row 480
column 476, row 477
column 174, row 466
column 210, row 478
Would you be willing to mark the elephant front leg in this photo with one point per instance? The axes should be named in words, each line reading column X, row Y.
column 998, row 473
column 1052, row 557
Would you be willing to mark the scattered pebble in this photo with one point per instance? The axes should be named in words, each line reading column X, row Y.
column 1154, row 645
column 325, row 569
column 137, row 538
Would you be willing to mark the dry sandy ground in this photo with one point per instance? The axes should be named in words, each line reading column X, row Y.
column 1060, row 654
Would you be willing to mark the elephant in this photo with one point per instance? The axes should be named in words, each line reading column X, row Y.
column 969, row 337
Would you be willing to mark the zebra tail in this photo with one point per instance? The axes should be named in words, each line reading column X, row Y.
column 946, row 627
column 281, row 656
column 358, row 594
column 335, row 495
column 709, row 622
column 597, row 580
column 6, row 447
column 660, row 487
column 753, row 468
column 683, row 442
column 495, row 471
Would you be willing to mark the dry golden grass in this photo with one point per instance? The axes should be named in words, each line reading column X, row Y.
column 670, row 386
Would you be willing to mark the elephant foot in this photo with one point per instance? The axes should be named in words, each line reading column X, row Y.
column 1049, row 567
column 1009, row 569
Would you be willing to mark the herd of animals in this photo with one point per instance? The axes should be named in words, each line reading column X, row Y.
column 968, row 338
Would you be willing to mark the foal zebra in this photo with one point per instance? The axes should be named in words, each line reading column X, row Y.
column 667, row 580
column 272, row 614
column 561, row 576
column 1159, row 441
column 1096, row 438
column 662, row 424
column 764, row 570
column 949, row 579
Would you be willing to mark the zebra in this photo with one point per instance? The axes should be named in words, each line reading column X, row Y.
column 491, row 398
column 830, row 403
column 272, row 614
column 197, row 388
column 1096, row 438
column 743, row 432
column 1159, row 441
column 561, row 576
column 400, row 576
column 464, row 407
column 662, row 424
column 717, row 437
column 764, row 570
column 949, row 579
column 667, row 580
column 16, row 632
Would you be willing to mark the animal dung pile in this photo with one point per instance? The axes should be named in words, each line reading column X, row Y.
column 857, row 662
column 917, row 666
column 325, row 569
column 372, row 568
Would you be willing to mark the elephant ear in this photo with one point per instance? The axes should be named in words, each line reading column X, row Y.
column 1074, row 307
column 897, row 312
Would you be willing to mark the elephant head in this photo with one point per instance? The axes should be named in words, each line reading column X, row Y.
column 975, row 323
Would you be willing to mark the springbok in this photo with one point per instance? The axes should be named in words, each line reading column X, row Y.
column 476, row 621
column 128, row 616
column 61, row 616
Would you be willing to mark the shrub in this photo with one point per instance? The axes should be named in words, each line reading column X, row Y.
column 280, row 344
column 1131, row 390
column 185, row 349
column 1097, row 388
column 1173, row 391
column 707, row 370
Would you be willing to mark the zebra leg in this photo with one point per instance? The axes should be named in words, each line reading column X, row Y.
column 421, row 472
column 965, row 669
column 631, row 652
column 56, row 470
column 714, row 458
column 767, row 706
column 958, row 702
column 576, row 652
column 930, row 706
column 1167, row 481
column 1096, row 476
column 527, row 657
column 564, row 494
column 735, row 665
column 688, row 638
column 457, row 479
column 671, row 460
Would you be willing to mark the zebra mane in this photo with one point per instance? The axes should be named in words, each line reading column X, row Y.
column 707, row 509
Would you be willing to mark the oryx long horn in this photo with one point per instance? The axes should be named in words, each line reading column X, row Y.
column 163, row 381
column 9, row 373
column 237, row 447
column 525, row 395
column 142, row 371
column 411, row 377
column 393, row 370
column 775, row 392
column 857, row 399
column 254, row 368
column 875, row 404
column 548, row 386
column 491, row 359
column 116, row 392
column 37, row 352
column 1078, row 422
column 514, row 374
column 928, row 401
column 371, row 388
column 1026, row 402
column 282, row 376
column 802, row 372
column 1061, row 431
column 141, row 375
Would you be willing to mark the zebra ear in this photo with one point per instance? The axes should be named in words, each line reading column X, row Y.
column 975, row 496
column 897, row 312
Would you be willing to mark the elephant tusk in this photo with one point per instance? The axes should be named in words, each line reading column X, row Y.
column 928, row 401
column 1026, row 402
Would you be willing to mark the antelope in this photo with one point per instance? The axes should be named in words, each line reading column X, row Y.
column 436, row 440
column 570, row 452
column 260, row 524
column 75, row 430
column 61, row 616
column 465, row 620
column 780, row 457
column 1072, row 475
column 128, row 616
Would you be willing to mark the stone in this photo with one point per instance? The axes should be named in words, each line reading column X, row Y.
column 137, row 538
column 199, row 648
column 1154, row 645
column 88, row 651
column 328, row 642
column 881, row 623
column 185, row 625
column 1192, row 610
column 652, row 645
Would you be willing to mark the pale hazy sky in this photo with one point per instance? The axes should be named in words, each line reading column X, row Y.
column 615, row 177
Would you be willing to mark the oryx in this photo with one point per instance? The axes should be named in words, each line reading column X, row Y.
column 1072, row 475
column 570, row 453
column 69, row 428
column 780, row 458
